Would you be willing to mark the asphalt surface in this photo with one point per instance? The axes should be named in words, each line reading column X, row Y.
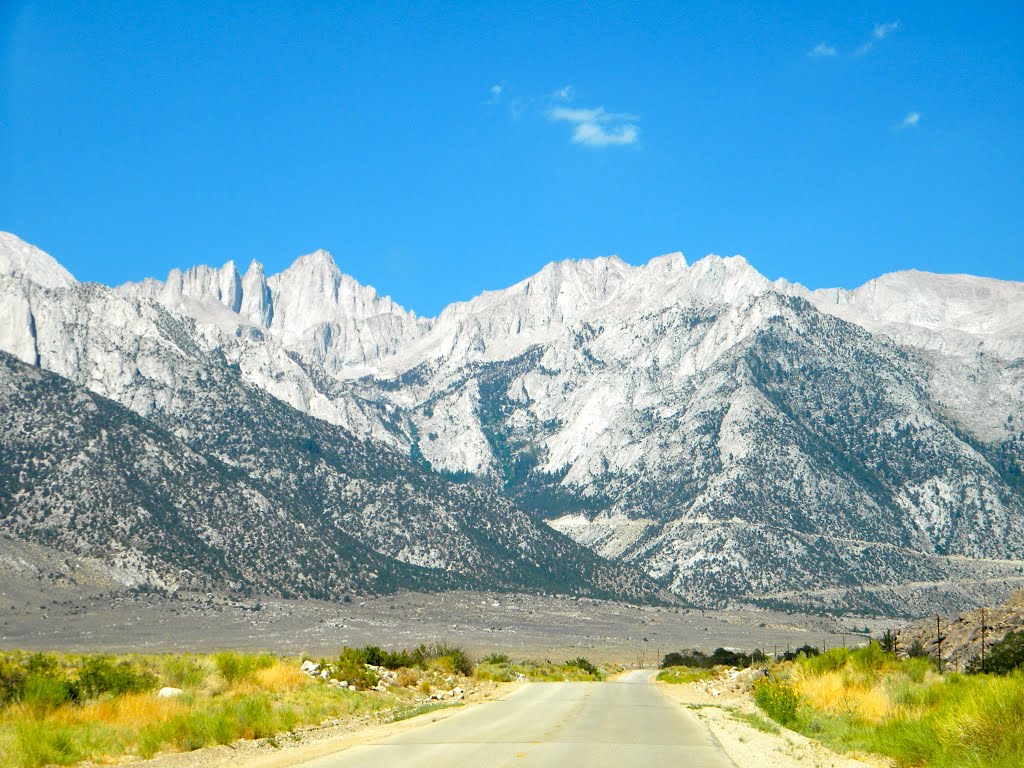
column 627, row 722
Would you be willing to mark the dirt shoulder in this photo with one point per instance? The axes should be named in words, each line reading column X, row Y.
column 721, row 707
column 311, row 742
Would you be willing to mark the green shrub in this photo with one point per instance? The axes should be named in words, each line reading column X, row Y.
column 42, row 694
column 830, row 661
column 778, row 700
column 582, row 663
column 100, row 674
column 12, row 678
column 41, row 743
column 387, row 659
column 452, row 657
column 918, row 667
column 720, row 657
column 250, row 717
column 917, row 650
column 236, row 667
column 1003, row 657
column 351, row 666
column 681, row 675
column 183, row 672
column 872, row 657
column 495, row 658
column 499, row 673
column 44, row 665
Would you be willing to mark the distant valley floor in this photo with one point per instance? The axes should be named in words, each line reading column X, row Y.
column 56, row 602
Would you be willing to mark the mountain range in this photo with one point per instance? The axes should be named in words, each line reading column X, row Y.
column 689, row 431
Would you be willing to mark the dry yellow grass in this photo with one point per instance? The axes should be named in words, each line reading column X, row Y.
column 407, row 678
column 282, row 676
column 845, row 694
column 133, row 710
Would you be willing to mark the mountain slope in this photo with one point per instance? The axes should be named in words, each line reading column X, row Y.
column 733, row 438
column 273, row 514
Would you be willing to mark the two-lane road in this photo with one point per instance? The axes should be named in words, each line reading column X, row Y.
column 627, row 722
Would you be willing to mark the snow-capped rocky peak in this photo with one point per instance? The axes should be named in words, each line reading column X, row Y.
column 332, row 318
column 669, row 262
column 20, row 259
column 952, row 313
column 257, row 304
column 314, row 290
column 201, row 284
column 312, row 308
column 965, row 302
column 725, row 280
column 500, row 324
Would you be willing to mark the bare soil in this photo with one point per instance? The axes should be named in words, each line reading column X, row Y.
column 716, row 705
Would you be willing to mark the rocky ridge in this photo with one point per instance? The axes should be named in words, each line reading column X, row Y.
column 732, row 437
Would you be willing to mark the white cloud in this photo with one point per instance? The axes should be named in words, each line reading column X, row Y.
column 882, row 31
column 563, row 94
column 596, row 127
column 822, row 49
column 911, row 120
column 496, row 90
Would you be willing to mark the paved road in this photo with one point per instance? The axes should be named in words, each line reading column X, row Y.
column 627, row 723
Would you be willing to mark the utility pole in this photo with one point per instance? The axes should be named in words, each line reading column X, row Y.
column 938, row 639
column 982, row 639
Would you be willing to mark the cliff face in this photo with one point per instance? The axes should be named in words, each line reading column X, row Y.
column 730, row 437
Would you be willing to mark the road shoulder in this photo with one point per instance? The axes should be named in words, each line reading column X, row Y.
column 746, row 745
column 313, row 742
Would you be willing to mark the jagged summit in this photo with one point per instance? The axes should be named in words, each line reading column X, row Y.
column 733, row 437
column 311, row 307
column 20, row 259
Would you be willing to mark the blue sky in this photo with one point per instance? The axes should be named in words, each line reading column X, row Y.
column 440, row 149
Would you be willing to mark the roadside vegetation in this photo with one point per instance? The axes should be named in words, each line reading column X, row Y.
column 499, row 668
column 692, row 665
column 868, row 700
column 681, row 674
column 61, row 709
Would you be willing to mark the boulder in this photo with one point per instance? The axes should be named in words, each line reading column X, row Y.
column 169, row 693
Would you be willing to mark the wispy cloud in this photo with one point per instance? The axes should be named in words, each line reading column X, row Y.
column 563, row 94
column 910, row 121
column 596, row 127
column 822, row 49
column 494, row 92
column 880, row 32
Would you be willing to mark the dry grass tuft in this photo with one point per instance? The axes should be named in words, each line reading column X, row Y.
column 282, row 676
column 133, row 710
column 407, row 678
column 846, row 695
